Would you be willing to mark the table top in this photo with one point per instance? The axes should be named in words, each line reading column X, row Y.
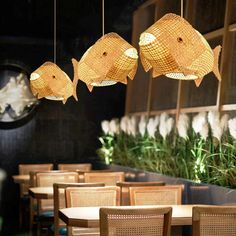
column 41, row 192
column 89, row 216
column 21, row 179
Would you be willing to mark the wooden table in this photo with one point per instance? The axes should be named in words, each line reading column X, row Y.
column 21, row 179
column 41, row 192
column 89, row 216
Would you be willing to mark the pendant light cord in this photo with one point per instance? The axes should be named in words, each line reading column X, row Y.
column 55, row 32
column 103, row 27
column 182, row 8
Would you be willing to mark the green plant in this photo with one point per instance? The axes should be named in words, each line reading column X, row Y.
column 197, row 154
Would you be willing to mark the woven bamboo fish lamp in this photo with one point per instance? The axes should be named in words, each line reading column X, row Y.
column 172, row 47
column 50, row 82
column 110, row 60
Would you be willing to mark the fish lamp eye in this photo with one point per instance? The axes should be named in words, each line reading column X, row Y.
column 179, row 39
column 104, row 54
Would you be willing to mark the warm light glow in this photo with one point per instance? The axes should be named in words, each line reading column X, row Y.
column 181, row 76
column 146, row 38
column 132, row 52
column 104, row 83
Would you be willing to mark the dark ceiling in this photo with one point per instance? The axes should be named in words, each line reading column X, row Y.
column 75, row 18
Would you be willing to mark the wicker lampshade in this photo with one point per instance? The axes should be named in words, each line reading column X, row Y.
column 51, row 82
column 172, row 47
column 110, row 60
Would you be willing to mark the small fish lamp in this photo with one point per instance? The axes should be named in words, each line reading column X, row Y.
column 110, row 60
column 172, row 47
column 50, row 82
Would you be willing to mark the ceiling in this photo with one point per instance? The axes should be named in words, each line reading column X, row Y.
column 75, row 18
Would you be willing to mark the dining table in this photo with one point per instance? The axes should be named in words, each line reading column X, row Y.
column 21, row 179
column 41, row 192
column 89, row 216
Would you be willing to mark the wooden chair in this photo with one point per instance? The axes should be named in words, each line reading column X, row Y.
column 214, row 221
column 157, row 195
column 45, row 206
column 91, row 196
column 75, row 167
column 25, row 169
column 109, row 178
column 135, row 222
column 59, row 202
column 125, row 187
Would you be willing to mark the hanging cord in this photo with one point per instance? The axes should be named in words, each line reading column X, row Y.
column 182, row 8
column 103, row 27
column 55, row 32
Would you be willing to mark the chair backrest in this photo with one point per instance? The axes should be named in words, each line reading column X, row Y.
column 75, row 167
column 109, row 178
column 135, row 222
column 214, row 220
column 93, row 196
column 157, row 195
column 125, row 187
column 59, row 199
column 47, row 179
column 25, row 169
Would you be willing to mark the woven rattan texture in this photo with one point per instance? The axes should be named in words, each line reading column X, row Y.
column 93, row 196
column 217, row 224
column 110, row 179
column 178, row 47
column 25, row 169
column 48, row 179
column 132, row 222
column 106, row 60
column 52, row 81
column 157, row 195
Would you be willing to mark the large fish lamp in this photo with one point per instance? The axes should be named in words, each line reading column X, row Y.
column 110, row 60
column 148, row 40
column 172, row 47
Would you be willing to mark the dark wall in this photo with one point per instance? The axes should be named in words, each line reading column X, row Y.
column 56, row 133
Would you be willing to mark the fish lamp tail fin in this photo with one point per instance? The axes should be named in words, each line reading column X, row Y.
column 90, row 87
column 215, row 70
column 198, row 81
column 76, row 78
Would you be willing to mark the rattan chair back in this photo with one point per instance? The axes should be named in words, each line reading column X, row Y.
column 75, row 167
column 91, row 196
column 214, row 221
column 125, row 187
column 109, row 178
column 47, row 179
column 157, row 195
column 25, row 169
column 59, row 199
column 135, row 222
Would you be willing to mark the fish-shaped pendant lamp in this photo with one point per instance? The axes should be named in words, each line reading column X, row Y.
column 172, row 47
column 110, row 60
column 50, row 82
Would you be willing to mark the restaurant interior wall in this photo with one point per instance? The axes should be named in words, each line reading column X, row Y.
column 57, row 133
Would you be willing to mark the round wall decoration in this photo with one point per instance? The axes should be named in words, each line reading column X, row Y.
column 17, row 102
